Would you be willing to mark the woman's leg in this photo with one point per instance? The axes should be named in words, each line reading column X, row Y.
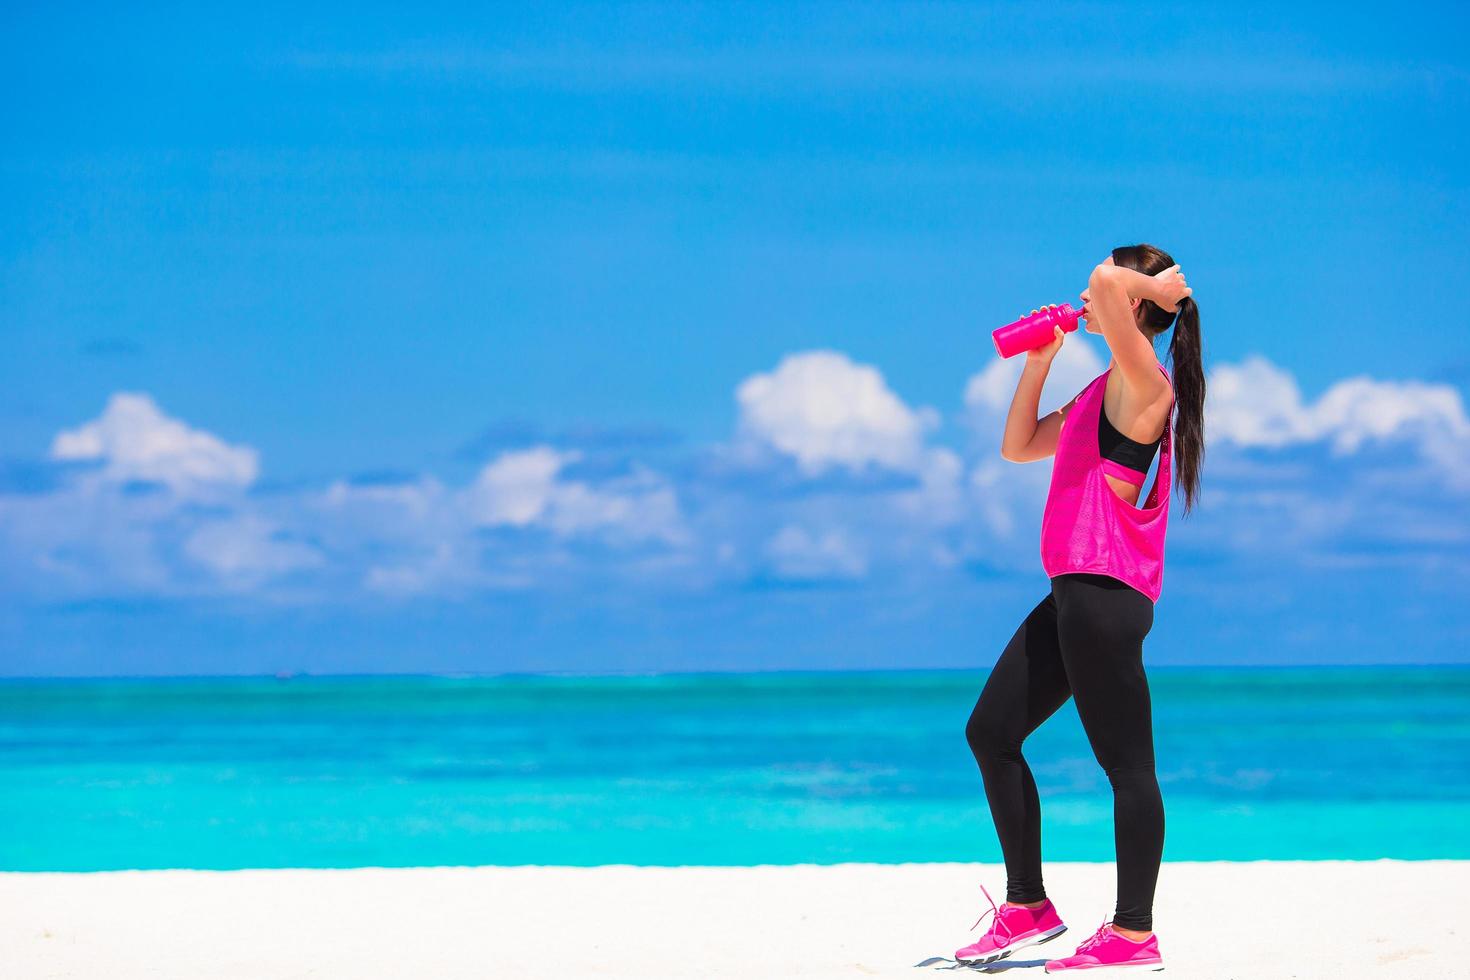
column 1102, row 622
column 1026, row 686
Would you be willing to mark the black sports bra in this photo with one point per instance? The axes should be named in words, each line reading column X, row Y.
column 1114, row 445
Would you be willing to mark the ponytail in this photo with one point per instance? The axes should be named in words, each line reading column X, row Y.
column 1186, row 354
column 1187, row 357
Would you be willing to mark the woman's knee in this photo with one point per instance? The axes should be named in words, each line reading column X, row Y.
column 989, row 738
column 1139, row 783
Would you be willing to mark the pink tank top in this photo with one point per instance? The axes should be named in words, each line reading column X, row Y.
column 1086, row 526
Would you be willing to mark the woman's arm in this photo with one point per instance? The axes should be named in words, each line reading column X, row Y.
column 1111, row 289
column 1025, row 438
column 1043, row 442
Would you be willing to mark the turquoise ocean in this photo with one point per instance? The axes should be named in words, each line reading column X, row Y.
column 723, row 769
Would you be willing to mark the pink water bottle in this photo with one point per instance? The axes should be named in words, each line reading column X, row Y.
column 1036, row 330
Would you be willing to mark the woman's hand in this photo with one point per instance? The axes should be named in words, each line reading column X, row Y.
column 1044, row 355
column 1171, row 288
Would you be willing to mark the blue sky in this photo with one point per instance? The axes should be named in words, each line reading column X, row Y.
column 639, row 337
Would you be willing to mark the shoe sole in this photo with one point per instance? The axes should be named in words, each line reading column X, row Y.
column 1036, row 940
column 1104, row 967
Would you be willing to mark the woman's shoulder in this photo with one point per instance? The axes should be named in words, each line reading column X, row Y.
column 1168, row 380
column 1107, row 371
column 1169, row 377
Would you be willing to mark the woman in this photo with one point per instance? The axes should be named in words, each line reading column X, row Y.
column 1104, row 555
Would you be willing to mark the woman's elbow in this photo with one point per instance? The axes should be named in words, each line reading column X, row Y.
column 1102, row 274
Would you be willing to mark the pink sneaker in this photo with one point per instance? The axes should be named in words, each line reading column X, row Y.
column 1105, row 948
column 1014, row 927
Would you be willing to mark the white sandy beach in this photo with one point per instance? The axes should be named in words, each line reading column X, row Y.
column 1268, row 919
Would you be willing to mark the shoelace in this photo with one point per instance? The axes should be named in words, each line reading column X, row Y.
column 1097, row 938
column 997, row 921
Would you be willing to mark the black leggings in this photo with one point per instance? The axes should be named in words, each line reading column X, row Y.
column 1084, row 640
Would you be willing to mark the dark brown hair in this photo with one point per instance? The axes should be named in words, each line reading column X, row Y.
column 1186, row 357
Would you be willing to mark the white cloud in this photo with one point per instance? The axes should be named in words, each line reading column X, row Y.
column 999, row 492
column 825, row 411
column 248, row 549
column 416, row 499
column 645, row 509
column 135, row 440
column 939, row 498
column 1356, row 410
column 989, row 391
column 91, row 535
column 797, row 553
column 443, row 568
column 517, row 487
column 990, row 482
column 1255, row 404
column 525, row 487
